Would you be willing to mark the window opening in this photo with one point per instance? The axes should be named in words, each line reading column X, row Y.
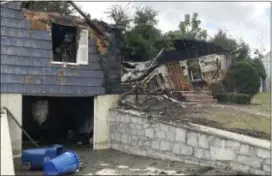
column 64, row 41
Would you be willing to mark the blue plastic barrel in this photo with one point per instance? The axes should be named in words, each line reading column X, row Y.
column 66, row 163
column 36, row 157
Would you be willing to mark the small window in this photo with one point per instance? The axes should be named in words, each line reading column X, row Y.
column 69, row 44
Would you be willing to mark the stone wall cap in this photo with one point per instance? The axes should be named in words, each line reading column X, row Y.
column 265, row 144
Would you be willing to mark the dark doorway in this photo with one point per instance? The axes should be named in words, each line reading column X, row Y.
column 51, row 120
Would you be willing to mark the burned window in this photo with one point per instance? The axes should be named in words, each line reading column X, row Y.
column 70, row 44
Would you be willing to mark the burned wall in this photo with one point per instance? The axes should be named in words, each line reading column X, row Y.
column 27, row 68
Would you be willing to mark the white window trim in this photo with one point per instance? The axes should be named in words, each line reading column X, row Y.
column 64, row 63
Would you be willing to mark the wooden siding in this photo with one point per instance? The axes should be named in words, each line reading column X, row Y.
column 26, row 68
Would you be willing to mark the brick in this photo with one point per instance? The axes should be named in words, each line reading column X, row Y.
column 186, row 150
column 192, row 139
column 249, row 161
column 149, row 133
column 267, row 161
column 203, row 141
column 257, row 171
column 164, row 127
column 165, row 146
column 176, row 148
column 233, row 144
column 239, row 167
column 262, row 153
column 247, row 150
column 217, row 142
column 155, row 144
column 161, row 135
column 266, row 167
column 133, row 120
column 219, row 153
column 180, row 135
column 124, row 138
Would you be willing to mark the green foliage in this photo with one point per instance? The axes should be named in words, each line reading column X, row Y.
column 259, row 67
column 189, row 29
column 119, row 15
column 217, row 88
column 242, row 78
column 61, row 7
column 139, row 43
column 233, row 98
column 145, row 16
column 240, row 50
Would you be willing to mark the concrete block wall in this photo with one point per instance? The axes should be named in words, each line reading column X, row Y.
column 134, row 133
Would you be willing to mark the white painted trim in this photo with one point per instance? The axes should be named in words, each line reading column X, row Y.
column 64, row 63
column 94, row 123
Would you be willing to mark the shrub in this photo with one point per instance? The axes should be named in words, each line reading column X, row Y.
column 216, row 88
column 233, row 98
column 242, row 78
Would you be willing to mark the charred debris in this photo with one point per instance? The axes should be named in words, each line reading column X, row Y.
column 174, row 78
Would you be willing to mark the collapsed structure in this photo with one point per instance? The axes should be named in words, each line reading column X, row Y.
column 191, row 67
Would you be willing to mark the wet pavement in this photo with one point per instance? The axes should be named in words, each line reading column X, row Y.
column 112, row 162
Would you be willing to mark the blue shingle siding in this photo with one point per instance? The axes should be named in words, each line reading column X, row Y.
column 26, row 67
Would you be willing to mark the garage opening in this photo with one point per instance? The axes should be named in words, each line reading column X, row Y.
column 58, row 120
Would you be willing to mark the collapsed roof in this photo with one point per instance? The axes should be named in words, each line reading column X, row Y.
column 184, row 49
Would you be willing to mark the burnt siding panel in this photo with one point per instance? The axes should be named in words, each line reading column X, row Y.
column 15, row 23
column 28, row 61
column 25, row 42
column 26, row 66
column 50, row 80
column 48, row 71
column 51, row 90
column 11, row 13
column 25, row 33
column 23, row 51
column 12, row 5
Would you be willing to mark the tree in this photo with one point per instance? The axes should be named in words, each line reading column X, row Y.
column 240, row 50
column 119, row 15
column 224, row 41
column 258, row 66
column 145, row 16
column 189, row 29
column 139, row 42
column 242, row 78
column 61, row 7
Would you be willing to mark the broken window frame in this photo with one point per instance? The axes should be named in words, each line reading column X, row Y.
column 77, row 60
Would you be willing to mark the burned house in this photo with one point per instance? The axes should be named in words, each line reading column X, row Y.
column 192, row 66
column 58, row 74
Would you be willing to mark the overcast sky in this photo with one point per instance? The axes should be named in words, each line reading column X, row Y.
column 247, row 20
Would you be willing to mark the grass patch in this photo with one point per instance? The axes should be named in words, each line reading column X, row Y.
column 235, row 119
column 262, row 99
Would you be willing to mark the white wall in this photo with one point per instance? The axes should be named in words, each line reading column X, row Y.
column 267, row 65
column 7, row 165
column 14, row 103
column 102, row 104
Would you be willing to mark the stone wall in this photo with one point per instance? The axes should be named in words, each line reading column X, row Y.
column 133, row 132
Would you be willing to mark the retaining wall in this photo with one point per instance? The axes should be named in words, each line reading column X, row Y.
column 133, row 132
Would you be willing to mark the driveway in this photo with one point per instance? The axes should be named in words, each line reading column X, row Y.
column 112, row 162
